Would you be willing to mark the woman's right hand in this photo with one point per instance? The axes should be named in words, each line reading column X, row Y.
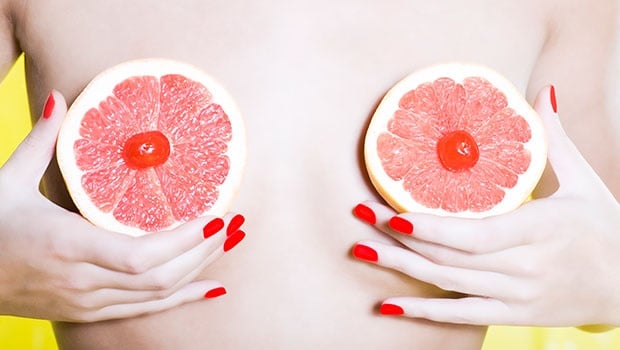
column 56, row 265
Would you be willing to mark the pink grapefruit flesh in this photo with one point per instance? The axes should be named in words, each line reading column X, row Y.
column 455, row 140
column 154, row 152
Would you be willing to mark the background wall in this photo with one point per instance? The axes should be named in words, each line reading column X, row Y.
column 23, row 334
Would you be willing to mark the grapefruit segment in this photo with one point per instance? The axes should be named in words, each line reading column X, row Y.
column 150, row 144
column 455, row 139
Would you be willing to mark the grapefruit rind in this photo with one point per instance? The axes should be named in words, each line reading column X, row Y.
column 101, row 87
column 393, row 192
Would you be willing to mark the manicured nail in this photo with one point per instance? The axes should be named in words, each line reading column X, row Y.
column 49, row 106
column 233, row 240
column 365, row 213
column 554, row 103
column 235, row 224
column 213, row 227
column 215, row 292
column 363, row 252
column 391, row 310
column 401, row 225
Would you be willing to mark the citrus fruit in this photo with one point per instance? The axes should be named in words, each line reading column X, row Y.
column 150, row 144
column 455, row 139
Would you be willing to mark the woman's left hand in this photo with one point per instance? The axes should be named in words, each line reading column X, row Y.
column 554, row 261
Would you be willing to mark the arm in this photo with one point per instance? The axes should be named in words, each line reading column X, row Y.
column 551, row 262
column 55, row 265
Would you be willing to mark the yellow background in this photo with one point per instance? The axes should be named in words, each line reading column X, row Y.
column 23, row 334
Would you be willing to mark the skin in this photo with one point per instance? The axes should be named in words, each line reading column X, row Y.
column 307, row 78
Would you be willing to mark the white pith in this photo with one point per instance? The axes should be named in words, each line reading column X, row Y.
column 101, row 87
column 393, row 191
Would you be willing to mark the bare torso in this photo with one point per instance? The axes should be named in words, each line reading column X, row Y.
column 307, row 76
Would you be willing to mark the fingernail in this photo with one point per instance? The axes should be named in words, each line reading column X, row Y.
column 212, row 227
column 49, row 106
column 554, row 103
column 401, row 225
column 235, row 224
column 233, row 240
column 365, row 213
column 363, row 252
column 391, row 310
column 215, row 292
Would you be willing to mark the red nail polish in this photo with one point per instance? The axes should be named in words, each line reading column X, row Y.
column 554, row 103
column 49, row 106
column 233, row 240
column 365, row 213
column 212, row 227
column 215, row 292
column 401, row 225
column 391, row 310
column 363, row 252
column 235, row 224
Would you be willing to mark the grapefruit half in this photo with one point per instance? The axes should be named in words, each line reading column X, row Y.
column 455, row 140
column 150, row 144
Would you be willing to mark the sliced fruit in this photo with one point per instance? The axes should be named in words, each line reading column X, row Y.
column 150, row 144
column 457, row 140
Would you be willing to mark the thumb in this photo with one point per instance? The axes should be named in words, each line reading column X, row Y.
column 33, row 155
column 571, row 169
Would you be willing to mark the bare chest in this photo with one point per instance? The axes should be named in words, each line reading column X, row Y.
column 306, row 74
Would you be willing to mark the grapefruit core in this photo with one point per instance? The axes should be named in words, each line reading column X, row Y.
column 150, row 144
column 455, row 140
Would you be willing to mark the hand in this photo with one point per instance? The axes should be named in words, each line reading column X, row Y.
column 552, row 262
column 55, row 265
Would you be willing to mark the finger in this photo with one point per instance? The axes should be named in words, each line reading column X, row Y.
column 572, row 170
column 495, row 256
column 374, row 213
column 469, row 235
column 138, row 255
column 478, row 236
column 182, row 270
column 483, row 283
column 147, row 287
column 165, row 277
column 31, row 158
column 468, row 310
column 379, row 215
column 192, row 292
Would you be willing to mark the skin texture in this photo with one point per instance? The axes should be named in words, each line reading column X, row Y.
column 307, row 76
column 514, row 267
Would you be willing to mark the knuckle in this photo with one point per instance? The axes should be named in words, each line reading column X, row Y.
column 477, row 243
column 136, row 263
column 57, row 248
column 438, row 256
column 75, row 282
column 477, row 234
column 447, row 284
column 527, row 268
column 164, row 293
column 84, row 303
column 526, row 294
column 161, row 282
